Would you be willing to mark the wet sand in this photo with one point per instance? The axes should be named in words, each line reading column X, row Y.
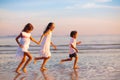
column 92, row 67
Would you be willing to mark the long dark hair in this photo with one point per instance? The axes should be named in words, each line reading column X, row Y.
column 28, row 27
column 48, row 27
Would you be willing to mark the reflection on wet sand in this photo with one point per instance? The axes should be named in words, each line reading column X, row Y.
column 74, row 75
column 46, row 75
column 18, row 77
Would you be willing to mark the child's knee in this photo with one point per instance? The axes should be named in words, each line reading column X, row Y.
column 70, row 59
column 76, row 57
column 30, row 58
column 48, row 57
column 23, row 60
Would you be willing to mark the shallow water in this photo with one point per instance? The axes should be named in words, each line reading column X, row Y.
column 99, row 59
column 92, row 67
column 90, row 44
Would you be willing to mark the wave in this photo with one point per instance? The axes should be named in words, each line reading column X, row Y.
column 63, row 45
column 66, row 47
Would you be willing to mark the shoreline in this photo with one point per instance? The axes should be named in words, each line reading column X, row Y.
column 92, row 67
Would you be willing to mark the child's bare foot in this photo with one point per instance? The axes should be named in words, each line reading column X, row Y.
column 43, row 68
column 17, row 71
column 24, row 70
column 35, row 61
column 76, row 67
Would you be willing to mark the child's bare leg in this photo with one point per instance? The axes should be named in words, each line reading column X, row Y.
column 21, row 63
column 63, row 60
column 27, row 62
column 75, row 63
column 38, row 58
column 44, row 62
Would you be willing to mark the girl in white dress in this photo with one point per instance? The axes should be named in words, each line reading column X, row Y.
column 45, row 42
column 22, row 52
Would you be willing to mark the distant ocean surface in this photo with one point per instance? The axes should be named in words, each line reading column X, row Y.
column 90, row 44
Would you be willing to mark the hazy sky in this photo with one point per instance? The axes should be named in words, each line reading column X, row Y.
column 88, row 17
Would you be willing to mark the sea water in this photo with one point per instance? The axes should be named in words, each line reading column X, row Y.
column 99, row 59
column 90, row 44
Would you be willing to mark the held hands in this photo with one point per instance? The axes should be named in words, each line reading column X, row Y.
column 38, row 42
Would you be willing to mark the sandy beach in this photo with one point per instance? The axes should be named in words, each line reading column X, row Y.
column 92, row 67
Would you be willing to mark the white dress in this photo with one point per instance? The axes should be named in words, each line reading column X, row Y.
column 45, row 46
column 24, row 41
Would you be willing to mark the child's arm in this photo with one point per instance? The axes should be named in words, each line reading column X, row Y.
column 53, row 46
column 79, row 42
column 32, row 39
column 41, row 38
column 74, row 48
column 18, row 41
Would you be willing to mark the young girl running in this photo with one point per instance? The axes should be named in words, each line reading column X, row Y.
column 22, row 52
column 45, row 42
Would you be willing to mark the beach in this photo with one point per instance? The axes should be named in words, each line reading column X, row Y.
column 99, row 59
column 92, row 67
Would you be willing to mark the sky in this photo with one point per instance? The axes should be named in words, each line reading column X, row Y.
column 88, row 17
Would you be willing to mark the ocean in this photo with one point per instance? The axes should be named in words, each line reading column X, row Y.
column 90, row 44
column 98, row 59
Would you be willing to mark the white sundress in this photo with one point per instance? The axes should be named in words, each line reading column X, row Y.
column 45, row 46
column 24, row 41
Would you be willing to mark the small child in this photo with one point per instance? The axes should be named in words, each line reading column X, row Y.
column 45, row 42
column 22, row 52
column 72, row 49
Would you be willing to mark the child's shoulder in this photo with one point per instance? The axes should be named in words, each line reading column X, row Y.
column 72, row 38
column 47, row 33
column 25, row 33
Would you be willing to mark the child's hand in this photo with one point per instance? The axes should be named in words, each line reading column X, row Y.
column 76, row 50
column 78, row 42
column 38, row 43
column 21, row 45
column 55, row 47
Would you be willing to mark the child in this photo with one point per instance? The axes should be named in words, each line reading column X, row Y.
column 22, row 51
column 45, row 42
column 73, row 50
